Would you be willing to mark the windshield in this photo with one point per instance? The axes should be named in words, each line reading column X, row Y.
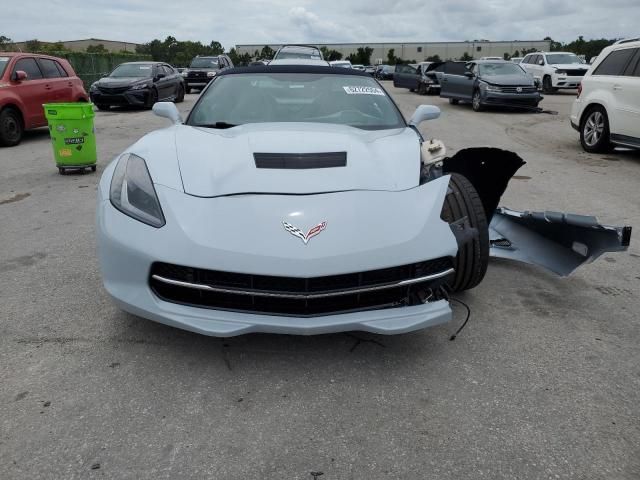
column 3, row 64
column 494, row 69
column 560, row 58
column 296, row 97
column 204, row 63
column 298, row 55
column 133, row 70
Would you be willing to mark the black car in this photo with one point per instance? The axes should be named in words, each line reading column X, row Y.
column 421, row 78
column 489, row 82
column 138, row 83
column 203, row 69
column 384, row 72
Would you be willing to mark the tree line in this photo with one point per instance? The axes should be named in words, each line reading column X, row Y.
column 180, row 53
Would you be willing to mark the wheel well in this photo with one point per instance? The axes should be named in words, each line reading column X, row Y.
column 11, row 106
column 589, row 109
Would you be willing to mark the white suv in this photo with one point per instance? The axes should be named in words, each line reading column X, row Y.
column 607, row 110
column 555, row 70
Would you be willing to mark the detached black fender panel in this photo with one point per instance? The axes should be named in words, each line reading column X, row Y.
column 489, row 171
column 559, row 242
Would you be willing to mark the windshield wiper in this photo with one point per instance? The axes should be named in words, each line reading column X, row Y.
column 215, row 125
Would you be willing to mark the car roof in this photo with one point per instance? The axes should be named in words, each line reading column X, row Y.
column 301, row 48
column 489, row 61
column 291, row 68
column 151, row 62
column 298, row 61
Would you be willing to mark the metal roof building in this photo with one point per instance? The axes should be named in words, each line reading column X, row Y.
column 419, row 51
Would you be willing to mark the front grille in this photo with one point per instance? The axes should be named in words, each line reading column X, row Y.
column 303, row 297
column 578, row 72
column 112, row 90
column 515, row 89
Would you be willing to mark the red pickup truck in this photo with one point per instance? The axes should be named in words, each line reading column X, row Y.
column 27, row 81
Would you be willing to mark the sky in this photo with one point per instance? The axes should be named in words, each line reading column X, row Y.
column 234, row 22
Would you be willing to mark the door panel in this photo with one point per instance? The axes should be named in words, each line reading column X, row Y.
column 60, row 87
column 34, row 91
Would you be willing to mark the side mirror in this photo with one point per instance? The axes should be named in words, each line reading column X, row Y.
column 422, row 113
column 167, row 110
column 160, row 75
column 468, row 74
column 20, row 76
column 540, row 62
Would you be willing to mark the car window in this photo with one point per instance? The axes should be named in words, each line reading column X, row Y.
column 633, row 64
column 357, row 101
column 4, row 61
column 168, row 70
column 133, row 70
column 204, row 63
column 49, row 68
column 636, row 72
column 563, row 58
column 615, row 63
column 493, row 69
column 30, row 67
column 455, row 68
column 63, row 72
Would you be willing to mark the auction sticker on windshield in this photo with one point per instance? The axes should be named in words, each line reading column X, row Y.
column 363, row 91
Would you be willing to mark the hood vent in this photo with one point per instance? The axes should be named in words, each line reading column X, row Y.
column 296, row 161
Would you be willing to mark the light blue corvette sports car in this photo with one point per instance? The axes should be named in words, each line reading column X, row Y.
column 297, row 199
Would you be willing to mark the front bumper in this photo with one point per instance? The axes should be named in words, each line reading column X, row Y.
column 565, row 81
column 244, row 234
column 515, row 99
column 130, row 97
column 197, row 81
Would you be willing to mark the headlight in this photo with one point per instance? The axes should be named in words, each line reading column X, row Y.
column 139, row 86
column 132, row 191
column 94, row 86
column 561, row 72
column 185, row 72
column 491, row 88
column 211, row 74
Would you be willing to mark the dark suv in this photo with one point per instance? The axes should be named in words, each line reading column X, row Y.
column 203, row 69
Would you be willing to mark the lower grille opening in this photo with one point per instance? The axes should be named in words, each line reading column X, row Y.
column 404, row 285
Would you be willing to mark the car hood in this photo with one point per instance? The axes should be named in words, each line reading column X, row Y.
column 121, row 82
column 203, row 70
column 509, row 80
column 215, row 162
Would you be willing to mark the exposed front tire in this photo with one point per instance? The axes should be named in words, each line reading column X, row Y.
column 11, row 127
column 103, row 107
column 187, row 89
column 476, row 102
column 594, row 130
column 153, row 98
column 422, row 89
column 547, row 85
column 454, row 101
column 180, row 95
column 472, row 259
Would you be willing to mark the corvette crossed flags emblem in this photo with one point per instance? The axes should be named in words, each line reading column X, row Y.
column 305, row 237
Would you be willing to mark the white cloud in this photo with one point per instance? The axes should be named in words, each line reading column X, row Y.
column 275, row 21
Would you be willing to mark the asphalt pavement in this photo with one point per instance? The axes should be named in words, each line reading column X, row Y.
column 543, row 383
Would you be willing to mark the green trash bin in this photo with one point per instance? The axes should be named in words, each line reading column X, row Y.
column 72, row 135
